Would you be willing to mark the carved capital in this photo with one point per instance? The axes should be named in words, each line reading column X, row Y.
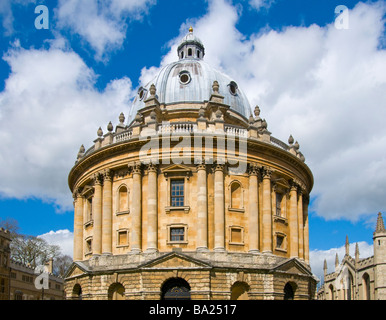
column 253, row 169
column 135, row 168
column 108, row 175
column 219, row 167
column 151, row 167
column 267, row 173
column 98, row 178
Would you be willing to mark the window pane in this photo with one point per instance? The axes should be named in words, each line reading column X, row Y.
column 177, row 234
column 177, row 193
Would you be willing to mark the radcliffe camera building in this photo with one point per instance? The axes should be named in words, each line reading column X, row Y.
column 190, row 197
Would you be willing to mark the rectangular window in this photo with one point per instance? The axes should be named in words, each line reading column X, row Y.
column 177, row 234
column 236, row 236
column 177, row 193
column 123, row 238
column 279, row 198
column 279, row 242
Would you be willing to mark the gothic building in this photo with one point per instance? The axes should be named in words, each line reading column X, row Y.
column 190, row 197
column 355, row 278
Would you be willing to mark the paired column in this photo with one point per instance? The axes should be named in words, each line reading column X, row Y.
column 300, row 224
column 293, row 222
column 219, row 208
column 107, row 213
column 78, row 226
column 202, row 208
column 267, row 211
column 253, row 210
column 306, row 231
column 136, row 218
column 152, row 210
column 97, row 214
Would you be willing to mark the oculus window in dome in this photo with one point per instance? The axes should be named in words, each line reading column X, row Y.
column 189, row 80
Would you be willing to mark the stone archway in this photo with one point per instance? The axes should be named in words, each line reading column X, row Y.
column 116, row 292
column 239, row 291
column 175, row 289
column 289, row 291
column 77, row 292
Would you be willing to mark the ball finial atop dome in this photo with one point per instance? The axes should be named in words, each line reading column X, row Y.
column 191, row 29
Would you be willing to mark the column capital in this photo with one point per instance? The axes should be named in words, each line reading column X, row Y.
column 108, row 175
column 267, row 172
column 219, row 167
column 77, row 193
column 152, row 167
column 135, row 168
column 201, row 165
column 98, row 178
column 253, row 169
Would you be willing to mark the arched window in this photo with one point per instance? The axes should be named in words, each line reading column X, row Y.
column 236, row 196
column 239, row 291
column 331, row 291
column 190, row 52
column 175, row 289
column 366, row 286
column 123, row 200
column 116, row 292
column 198, row 53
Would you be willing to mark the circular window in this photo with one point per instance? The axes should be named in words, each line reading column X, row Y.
column 185, row 77
column 141, row 93
column 233, row 88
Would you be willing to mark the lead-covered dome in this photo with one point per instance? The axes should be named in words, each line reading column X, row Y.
column 190, row 80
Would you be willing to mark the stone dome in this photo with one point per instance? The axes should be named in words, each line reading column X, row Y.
column 190, row 80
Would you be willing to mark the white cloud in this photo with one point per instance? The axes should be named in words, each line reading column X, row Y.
column 326, row 87
column 6, row 13
column 102, row 24
column 259, row 4
column 48, row 109
column 62, row 238
column 317, row 257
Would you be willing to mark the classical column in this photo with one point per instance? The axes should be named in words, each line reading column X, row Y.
column 300, row 223
column 306, row 231
column 219, row 208
column 267, row 211
column 78, row 226
column 202, row 208
column 107, row 214
column 136, row 218
column 253, row 209
column 97, row 214
column 293, row 222
column 152, row 209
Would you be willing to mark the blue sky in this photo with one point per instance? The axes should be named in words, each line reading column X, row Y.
column 324, row 85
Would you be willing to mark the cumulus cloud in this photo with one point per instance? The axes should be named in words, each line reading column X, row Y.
column 48, row 109
column 317, row 257
column 326, row 87
column 102, row 24
column 62, row 238
column 260, row 4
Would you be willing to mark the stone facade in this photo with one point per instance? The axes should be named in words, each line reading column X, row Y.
column 358, row 279
column 196, row 192
column 5, row 240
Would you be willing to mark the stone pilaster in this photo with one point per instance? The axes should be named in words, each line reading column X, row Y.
column 253, row 209
column 107, row 213
column 97, row 214
column 202, row 208
column 293, row 222
column 152, row 209
column 136, row 219
column 306, row 230
column 219, row 208
column 300, row 223
column 78, row 226
column 267, row 211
